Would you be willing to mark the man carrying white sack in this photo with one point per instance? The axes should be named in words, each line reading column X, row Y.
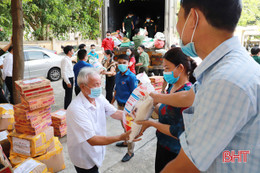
column 86, row 121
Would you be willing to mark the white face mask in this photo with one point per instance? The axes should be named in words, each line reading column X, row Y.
column 108, row 37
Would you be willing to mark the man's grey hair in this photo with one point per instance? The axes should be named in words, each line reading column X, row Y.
column 85, row 73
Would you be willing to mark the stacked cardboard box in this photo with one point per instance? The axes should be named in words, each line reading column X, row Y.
column 59, row 122
column 32, row 116
column 33, row 135
column 157, row 82
column 6, row 117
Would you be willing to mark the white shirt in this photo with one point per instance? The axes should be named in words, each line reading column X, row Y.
column 8, row 66
column 84, row 121
column 66, row 69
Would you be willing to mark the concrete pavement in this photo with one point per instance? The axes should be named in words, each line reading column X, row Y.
column 142, row 162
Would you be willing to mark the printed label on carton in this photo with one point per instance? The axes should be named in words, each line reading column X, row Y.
column 21, row 146
column 27, row 166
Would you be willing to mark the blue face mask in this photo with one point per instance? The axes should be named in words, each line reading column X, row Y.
column 169, row 77
column 122, row 67
column 95, row 92
column 128, row 53
column 189, row 49
column 93, row 50
column 105, row 57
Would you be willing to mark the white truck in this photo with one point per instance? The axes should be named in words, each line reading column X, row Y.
column 163, row 12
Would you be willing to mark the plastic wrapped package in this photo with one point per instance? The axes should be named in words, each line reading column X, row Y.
column 31, row 145
column 6, row 117
column 133, row 111
column 31, row 166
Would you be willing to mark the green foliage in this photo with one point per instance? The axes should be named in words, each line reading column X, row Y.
column 251, row 13
column 54, row 18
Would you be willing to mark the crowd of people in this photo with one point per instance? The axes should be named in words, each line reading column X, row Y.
column 203, row 111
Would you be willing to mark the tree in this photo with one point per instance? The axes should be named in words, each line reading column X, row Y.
column 18, row 27
column 251, row 13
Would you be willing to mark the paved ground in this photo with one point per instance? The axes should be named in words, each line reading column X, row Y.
column 142, row 162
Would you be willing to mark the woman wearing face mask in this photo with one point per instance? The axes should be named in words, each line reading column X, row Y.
column 131, row 66
column 110, row 65
column 178, row 71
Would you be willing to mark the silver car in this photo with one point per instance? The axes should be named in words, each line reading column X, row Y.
column 41, row 62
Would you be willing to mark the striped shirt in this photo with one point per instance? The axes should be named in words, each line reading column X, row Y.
column 225, row 114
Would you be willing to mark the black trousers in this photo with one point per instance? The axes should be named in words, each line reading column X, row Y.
column 163, row 157
column 110, row 84
column 68, row 93
column 9, row 84
column 77, row 90
column 92, row 170
column 2, row 97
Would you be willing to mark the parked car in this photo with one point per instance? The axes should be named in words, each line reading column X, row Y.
column 40, row 48
column 41, row 62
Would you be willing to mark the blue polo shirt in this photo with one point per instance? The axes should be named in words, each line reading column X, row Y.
column 93, row 55
column 77, row 67
column 125, row 84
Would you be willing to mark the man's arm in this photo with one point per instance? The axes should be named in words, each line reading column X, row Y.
column 118, row 115
column 106, row 140
column 179, row 99
column 7, row 46
column 114, row 98
column 182, row 164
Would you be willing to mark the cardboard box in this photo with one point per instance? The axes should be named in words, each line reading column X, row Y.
column 38, row 102
column 34, row 121
column 4, row 163
column 33, row 130
column 30, row 85
column 29, row 145
column 4, row 142
column 60, row 131
column 54, row 159
column 59, row 117
column 6, row 117
column 31, row 166
column 23, row 112
column 38, row 93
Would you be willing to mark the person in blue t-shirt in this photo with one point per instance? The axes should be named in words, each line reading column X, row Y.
column 126, row 82
column 82, row 56
column 92, row 54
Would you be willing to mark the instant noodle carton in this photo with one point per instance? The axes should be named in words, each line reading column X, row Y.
column 59, row 117
column 31, row 145
column 33, row 130
column 31, row 85
column 31, row 166
column 23, row 112
column 38, row 102
column 54, row 158
column 38, row 93
column 34, row 121
column 6, row 117
column 5, row 143
column 59, row 123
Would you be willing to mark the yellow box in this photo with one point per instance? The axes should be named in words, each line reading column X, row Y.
column 6, row 117
column 31, row 166
column 29, row 145
column 54, row 158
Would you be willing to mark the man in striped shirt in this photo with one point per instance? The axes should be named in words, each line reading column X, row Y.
column 222, row 126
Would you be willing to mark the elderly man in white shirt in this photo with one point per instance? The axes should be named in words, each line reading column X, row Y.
column 67, row 74
column 8, row 72
column 86, row 121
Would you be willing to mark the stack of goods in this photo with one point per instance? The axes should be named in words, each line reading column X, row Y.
column 33, row 135
column 32, row 166
column 157, row 82
column 59, row 122
column 6, row 117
